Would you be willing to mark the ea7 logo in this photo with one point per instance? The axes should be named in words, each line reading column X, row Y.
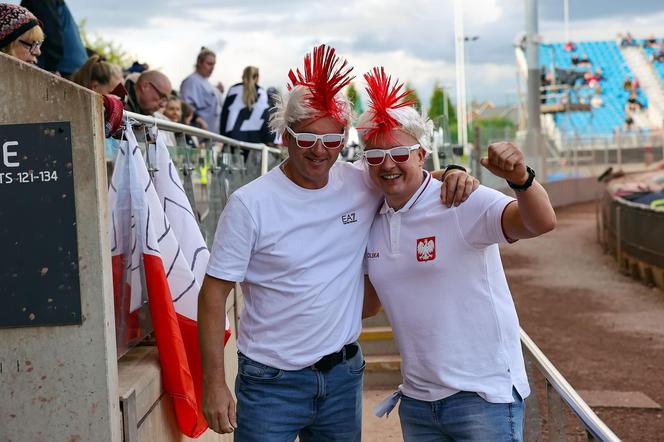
column 426, row 249
column 350, row 218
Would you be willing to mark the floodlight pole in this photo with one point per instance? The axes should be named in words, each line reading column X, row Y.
column 566, row 11
column 462, row 117
column 534, row 148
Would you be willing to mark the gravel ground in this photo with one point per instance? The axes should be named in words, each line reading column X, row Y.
column 602, row 330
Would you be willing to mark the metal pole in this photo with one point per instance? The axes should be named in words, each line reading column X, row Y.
column 566, row 8
column 264, row 159
column 534, row 148
column 462, row 122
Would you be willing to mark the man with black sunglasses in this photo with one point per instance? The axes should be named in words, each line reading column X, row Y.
column 295, row 239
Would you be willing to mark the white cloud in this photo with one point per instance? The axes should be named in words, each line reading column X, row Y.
column 412, row 39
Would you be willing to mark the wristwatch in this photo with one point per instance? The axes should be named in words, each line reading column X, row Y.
column 523, row 187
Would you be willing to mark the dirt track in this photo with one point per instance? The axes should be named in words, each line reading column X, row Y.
column 602, row 330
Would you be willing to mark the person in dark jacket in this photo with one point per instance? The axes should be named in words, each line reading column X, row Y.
column 245, row 113
column 63, row 51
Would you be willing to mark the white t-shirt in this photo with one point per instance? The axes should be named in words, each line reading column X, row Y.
column 298, row 253
column 438, row 273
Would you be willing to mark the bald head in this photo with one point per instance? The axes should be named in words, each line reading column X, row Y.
column 152, row 91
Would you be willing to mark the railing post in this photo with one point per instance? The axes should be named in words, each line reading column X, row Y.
column 264, row 159
column 556, row 415
column 618, row 238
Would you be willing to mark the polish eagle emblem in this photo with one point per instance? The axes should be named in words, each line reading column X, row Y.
column 426, row 249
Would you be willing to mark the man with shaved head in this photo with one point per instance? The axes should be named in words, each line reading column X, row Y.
column 148, row 93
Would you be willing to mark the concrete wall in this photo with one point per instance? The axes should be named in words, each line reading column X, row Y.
column 571, row 191
column 59, row 383
column 152, row 418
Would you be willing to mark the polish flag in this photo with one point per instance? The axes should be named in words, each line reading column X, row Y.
column 172, row 259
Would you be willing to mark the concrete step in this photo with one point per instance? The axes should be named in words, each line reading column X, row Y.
column 378, row 320
column 382, row 371
column 378, row 341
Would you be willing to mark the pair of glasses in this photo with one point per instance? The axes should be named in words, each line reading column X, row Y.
column 399, row 154
column 306, row 141
column 162, row 96
column 32, row 46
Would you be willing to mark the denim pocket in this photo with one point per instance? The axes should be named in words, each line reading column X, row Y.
column 257, row 372
column 357, row 363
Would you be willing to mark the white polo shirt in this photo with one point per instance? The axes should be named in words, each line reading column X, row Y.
column 298, row 254
column 438, row 273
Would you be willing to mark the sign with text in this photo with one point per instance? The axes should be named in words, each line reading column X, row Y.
column 39, row 280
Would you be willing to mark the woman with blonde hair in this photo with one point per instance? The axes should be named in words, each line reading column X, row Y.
column 245, row 115
column 98, row 75
column 20, row 34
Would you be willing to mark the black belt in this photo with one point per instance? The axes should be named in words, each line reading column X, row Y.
column 328, row 362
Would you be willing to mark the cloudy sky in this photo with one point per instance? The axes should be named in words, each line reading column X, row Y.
column 413, row 39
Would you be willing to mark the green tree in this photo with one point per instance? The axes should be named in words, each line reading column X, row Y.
column 437, row 106
column 112, row 51
column 413, row 95
column 355, row 99
column 495, row 128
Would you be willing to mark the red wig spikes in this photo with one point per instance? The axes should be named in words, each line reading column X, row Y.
column 325, row 75
column 384, row 96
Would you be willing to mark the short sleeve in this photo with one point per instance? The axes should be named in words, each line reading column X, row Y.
column 234, row 242
column 479, row 218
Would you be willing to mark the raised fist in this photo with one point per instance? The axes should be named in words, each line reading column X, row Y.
column 506, row 161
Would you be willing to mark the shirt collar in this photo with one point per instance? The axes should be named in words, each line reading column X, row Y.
column 413, row 199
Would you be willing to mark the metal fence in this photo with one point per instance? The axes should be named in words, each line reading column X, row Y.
column 634, row 235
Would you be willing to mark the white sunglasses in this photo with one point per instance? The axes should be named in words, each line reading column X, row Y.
column 306, row 140
column 399, row 154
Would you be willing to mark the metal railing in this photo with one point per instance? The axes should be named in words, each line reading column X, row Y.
column 558, row 393
column 204, row 134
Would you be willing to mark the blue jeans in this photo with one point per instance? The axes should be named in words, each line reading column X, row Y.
column 464, row 416
column 278, row 405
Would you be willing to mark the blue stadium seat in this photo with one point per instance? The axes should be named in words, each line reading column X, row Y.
column 606, row 55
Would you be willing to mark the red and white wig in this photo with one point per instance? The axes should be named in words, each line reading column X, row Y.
column 390, row 109
column 316, row 92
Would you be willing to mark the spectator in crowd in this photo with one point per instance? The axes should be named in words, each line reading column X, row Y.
column 137, row 68
column 63, row 51
column 658, row 56
column 633, row 104
column 584, row 61
column 147, row 93
column 628, row 83
column 575, row 59
column 20, row 34
column 173, row 109
column 650, row 42
column 627, row 40
column 197, row 91
column 596, row 101
column 569, row 47
column 245, row 113
column 187, row 117
column 629, row 120
column 98, row 75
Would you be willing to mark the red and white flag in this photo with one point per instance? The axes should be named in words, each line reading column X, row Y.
column 174, row 259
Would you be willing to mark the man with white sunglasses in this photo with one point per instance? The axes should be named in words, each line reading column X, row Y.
column 295, row 238
column 437, row 272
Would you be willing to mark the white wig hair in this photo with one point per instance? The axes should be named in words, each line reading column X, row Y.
column 416, row 124
column 293, row 107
